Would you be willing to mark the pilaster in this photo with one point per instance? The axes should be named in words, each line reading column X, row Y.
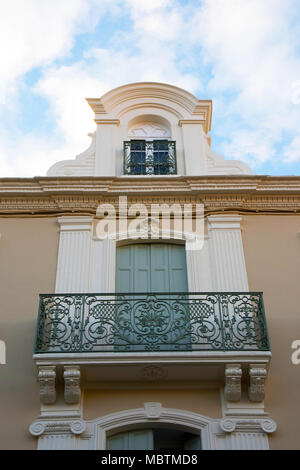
column 227, row 253
column 73, row 264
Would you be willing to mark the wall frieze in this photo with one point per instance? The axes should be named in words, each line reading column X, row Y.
column 89, row 203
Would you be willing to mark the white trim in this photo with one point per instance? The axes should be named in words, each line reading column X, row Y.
column 230, row 433
column 201, row 357
column 227, row 253
column 121, row 421
column 73, row 264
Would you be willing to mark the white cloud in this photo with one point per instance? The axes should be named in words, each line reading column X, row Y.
column 249, row 49
column 253, row 52
column 292, row 151
column 33, row 33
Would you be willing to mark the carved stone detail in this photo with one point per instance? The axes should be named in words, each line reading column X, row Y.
column 268, row 425
column 233, row 378
column 72, row 384
column 76, row 427
column 229, row 425
column 153, row 410
column 152, row 373
column 46, row 378
column 258, row 375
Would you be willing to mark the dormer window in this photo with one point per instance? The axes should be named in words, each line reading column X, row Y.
column 149, row 151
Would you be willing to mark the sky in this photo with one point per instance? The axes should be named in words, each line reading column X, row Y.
column 242, row 54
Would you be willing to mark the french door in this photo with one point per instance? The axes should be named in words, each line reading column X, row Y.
column 147, row 322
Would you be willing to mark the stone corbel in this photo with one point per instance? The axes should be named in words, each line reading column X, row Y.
column 46, row 378
column 72, row 384
column 258, row 375
column 233, row 382
column 266, row 425
column 75, row 427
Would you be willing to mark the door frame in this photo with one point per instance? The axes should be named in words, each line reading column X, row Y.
column 198, row 264
column 153, row 414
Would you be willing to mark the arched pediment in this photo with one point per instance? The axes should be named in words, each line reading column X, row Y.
column 161, row 95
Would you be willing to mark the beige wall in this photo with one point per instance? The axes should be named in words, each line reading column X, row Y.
column 272, row 251
column 28, row 253
column 101, row 402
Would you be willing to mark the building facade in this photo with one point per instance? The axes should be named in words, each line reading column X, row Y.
column 156, row 285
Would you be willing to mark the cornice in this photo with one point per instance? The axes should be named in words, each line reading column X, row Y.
column 84, row 194
column 203, row 184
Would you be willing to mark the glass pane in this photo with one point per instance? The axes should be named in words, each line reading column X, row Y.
column 137, row 157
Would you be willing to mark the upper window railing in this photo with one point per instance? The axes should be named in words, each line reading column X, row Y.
column 143, row 157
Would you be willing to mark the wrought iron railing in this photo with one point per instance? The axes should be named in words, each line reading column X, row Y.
column 151, row 322
column 156, row 157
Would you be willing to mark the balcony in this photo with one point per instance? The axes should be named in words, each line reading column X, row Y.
column 132, row 323
column 146, row 339
column 156, row 157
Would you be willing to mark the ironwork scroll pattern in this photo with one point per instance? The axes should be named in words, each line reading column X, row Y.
column 151, row 322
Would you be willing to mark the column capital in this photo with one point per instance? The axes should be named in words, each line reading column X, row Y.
column 73, row 223
column 225, row 221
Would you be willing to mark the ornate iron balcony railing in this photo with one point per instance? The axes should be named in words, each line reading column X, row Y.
column 151, row 322
column 156, row 157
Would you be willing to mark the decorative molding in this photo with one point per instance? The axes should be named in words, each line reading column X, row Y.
column 149, row 130
column 156, row 358
column 229, row 433
column 40, row 427
column 83, row 164
column 183, row 122
column 72, row 384
column 238, row 193
column 153, row 410
column 233, row 379
column 258, row 375
column 115, row 122
column 152, row 373
column 218, row 165
column 229, row 425
column 46, row 378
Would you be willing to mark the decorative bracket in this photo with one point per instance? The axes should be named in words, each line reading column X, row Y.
column 72, row 384
column 46, row 378
column 258, row 375
column 233, row 379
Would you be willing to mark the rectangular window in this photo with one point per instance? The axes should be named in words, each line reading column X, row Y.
column 142, row 157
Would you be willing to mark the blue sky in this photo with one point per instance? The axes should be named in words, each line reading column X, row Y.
column 242, row 54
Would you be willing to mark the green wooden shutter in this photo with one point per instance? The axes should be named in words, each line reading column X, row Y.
column 153, row 267
column 157, row 267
